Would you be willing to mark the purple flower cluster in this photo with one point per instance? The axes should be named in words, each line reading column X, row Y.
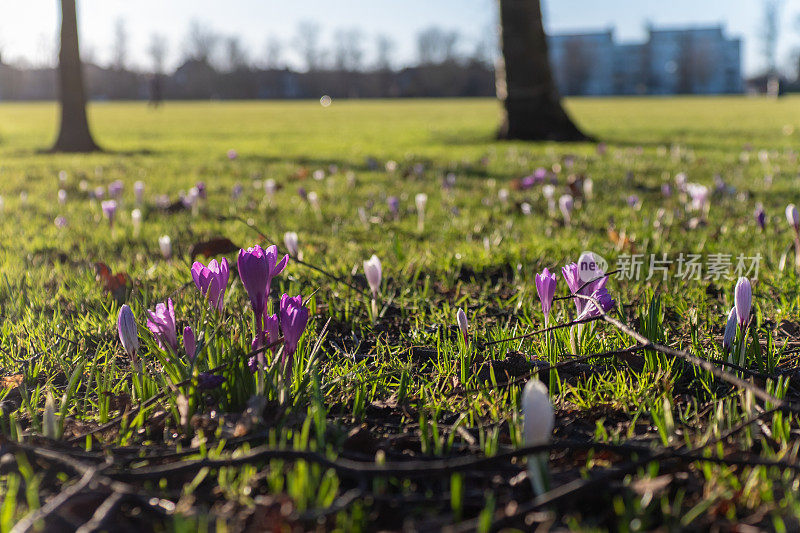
column 584, row 278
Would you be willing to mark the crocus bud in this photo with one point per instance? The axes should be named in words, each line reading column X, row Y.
column 62, row 196
column 109, row 208
column 588, row 187
column 189, row 343
column 461, row 319
column 136, row 219
column 730, row 330
column 165, row 245
column 680, row 181
column 291, row 242
column 126, row 326
column 743, row 298
column 793, row 217
column 538, row 421
column 566, row 203
column 546, row 288
column 138, row 191
column 313, row 199
column 372, row 269
column 270, row 187
column 421, row 200
column 538, row 413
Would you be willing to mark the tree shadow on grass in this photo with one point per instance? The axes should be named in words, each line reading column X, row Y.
column 123, row 153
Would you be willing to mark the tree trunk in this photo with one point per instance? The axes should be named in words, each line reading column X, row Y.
column 73, row 134
column 531, row 104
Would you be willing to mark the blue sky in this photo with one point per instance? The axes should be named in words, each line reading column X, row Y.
column 27, row 29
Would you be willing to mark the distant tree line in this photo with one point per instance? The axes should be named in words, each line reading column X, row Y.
column 222, row 67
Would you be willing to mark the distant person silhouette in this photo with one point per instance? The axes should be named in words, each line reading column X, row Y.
column 155, row 91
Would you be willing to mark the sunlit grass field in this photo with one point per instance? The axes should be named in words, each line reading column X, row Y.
column 400, row 387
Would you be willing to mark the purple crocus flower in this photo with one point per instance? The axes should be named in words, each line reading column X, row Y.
column 115, row 189
column 237, row 190
column 699, row 196
column 394, row 204
column 303, row 193
column 109, row 207
column 60, row 222
column 546, row 288
column 189, row 343
column 294, row 318
column 633, row 200
column 232, row 154
column 666, row 190
column 161, row 324
column 604, row 299
column 212, row 280
column 201, row 189
column 761, row 216
column 586, row 278
column 257, row 267
column 208, row 381
column 527, row 182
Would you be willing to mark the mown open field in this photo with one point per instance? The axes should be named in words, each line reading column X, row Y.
column 386, row 417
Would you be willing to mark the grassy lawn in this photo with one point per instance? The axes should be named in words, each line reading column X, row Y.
column 384, row 417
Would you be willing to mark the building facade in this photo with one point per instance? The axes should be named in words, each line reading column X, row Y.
column 670, row 61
